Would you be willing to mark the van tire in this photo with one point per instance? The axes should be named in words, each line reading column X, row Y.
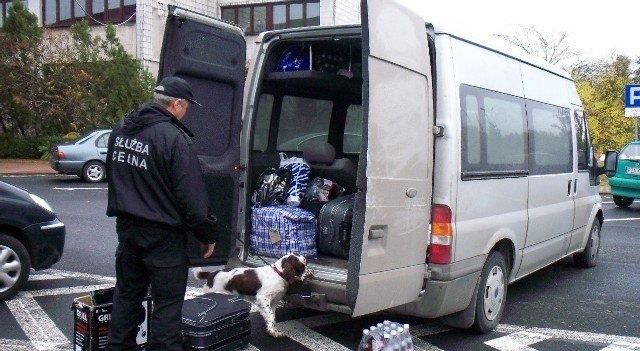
column 492, row 293
column 15, row 265
column 622, row 202
column 589, row 256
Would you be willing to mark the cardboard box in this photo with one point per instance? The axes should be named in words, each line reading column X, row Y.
column 91, row 320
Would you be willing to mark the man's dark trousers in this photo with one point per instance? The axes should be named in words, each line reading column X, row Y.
column 148, row 254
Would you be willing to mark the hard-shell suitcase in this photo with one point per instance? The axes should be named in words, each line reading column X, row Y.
column 334, row 225
column 216, row 322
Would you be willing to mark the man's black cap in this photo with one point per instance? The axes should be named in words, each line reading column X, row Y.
column 176, row 87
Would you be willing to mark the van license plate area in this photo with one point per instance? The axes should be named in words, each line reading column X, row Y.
column 633, row 170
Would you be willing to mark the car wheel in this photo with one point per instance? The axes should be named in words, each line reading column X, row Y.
column 589, row 257
column 623, row 202
column 492, row 293
column 94, row 172
column 14, row 267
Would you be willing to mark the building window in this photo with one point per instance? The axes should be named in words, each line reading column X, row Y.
column 5, row 5
column 254, row 19
column 64, row 13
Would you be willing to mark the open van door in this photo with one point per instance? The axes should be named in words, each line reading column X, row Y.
column 210, row 55
column 393, row 206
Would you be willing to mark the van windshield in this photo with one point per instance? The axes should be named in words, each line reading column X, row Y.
column 630, row 152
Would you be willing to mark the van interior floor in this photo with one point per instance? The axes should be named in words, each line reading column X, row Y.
column 331, row 261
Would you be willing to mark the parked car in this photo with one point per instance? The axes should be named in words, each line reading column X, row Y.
column 85, row 157
column 623, row 170
column 31, row 236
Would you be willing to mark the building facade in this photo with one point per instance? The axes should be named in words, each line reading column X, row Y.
column 140, row 23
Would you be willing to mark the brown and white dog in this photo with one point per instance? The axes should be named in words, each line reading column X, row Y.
column 263, row 286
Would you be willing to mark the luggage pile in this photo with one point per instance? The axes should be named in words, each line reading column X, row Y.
column 292, row 214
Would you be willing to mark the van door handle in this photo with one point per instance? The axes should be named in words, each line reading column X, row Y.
column 575, row 187
column 569, row 188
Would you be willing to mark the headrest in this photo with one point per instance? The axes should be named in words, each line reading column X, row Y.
column 319, row 152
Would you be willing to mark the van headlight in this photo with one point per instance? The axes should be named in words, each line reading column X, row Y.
column 41, row 202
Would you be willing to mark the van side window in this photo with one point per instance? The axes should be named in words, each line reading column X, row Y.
column 303, row 120
column 353, row 130
column 263, row 121
column 494, row 138
column 550, row 148
column 583, row 142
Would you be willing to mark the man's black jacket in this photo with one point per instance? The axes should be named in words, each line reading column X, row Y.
column 155, row 175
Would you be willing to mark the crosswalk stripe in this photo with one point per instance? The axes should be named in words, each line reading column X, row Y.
column 15, row 345
column 309, row 338
column 519, row 341
column 36, row 324
column 63, row 291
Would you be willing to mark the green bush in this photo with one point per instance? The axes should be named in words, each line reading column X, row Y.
column 30, row 147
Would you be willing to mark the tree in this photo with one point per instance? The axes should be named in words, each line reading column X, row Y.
column 21, row 39
column 602, row 97
column 551, row 47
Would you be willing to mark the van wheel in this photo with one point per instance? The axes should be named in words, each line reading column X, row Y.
column 94, row 172
column 492, row 293
column 14, row 266
column 623, row 202
column 589, row 256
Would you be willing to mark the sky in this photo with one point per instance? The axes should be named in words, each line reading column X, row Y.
column 597, row 29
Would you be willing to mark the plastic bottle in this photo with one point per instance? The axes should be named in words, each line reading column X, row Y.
column 366, row 341
column 407, row 337
column 376, row 334
column 386, row 341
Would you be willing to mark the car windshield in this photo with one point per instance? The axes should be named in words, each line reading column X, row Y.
column 631, row 152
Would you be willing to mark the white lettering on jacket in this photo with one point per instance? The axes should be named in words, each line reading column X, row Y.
column 130, row 151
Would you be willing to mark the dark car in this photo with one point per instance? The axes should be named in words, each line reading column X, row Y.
column 85, row 157
column 31, row 236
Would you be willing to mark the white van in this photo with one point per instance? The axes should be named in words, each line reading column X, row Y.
column 474, row 166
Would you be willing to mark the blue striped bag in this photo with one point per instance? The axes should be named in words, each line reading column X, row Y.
column 279, row 230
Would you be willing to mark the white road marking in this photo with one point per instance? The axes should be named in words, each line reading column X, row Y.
column 57, row 188
column 615, row 342
column 309, row 338
column 38, row 277
column 519, row 341
column 77, row 275
column 36, row 324
column 621, row 219
column 15, row 345
column 63, row 291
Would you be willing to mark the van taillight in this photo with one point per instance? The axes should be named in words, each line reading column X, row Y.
column 441, row 235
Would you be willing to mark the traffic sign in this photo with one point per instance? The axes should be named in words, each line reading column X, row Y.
column 632, row 100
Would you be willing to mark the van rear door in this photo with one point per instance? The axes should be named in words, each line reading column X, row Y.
column 210, row 55
column 398, row 142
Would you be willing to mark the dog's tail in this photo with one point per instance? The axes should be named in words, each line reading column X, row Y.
column 198, row 273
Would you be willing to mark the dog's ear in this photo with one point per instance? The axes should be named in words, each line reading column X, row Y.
column 292, row 268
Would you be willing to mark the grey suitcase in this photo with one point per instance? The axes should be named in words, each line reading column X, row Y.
column 334, row 226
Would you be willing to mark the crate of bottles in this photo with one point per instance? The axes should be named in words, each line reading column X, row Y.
column 386, row 336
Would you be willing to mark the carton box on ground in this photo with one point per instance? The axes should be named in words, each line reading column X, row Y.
column 91, row 321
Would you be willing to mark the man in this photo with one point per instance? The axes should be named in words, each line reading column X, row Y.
column 157, row 193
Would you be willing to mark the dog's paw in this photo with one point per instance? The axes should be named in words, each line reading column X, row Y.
column 308, row 275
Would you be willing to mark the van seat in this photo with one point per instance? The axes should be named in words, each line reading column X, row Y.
column 321, row 157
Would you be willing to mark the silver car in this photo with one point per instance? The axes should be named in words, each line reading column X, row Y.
column 86, row 157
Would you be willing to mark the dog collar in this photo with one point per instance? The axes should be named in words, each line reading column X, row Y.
column 278, row 271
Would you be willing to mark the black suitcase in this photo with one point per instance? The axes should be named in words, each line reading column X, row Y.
column 216, row 322
column 334, row 225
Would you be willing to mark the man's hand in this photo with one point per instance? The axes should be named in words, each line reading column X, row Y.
column 207, row 249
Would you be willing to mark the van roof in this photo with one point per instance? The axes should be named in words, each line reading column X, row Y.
column 500, row 47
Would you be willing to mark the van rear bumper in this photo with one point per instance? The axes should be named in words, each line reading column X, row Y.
column 449, row 290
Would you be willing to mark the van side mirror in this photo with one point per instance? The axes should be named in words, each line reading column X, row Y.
column 610, row 163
